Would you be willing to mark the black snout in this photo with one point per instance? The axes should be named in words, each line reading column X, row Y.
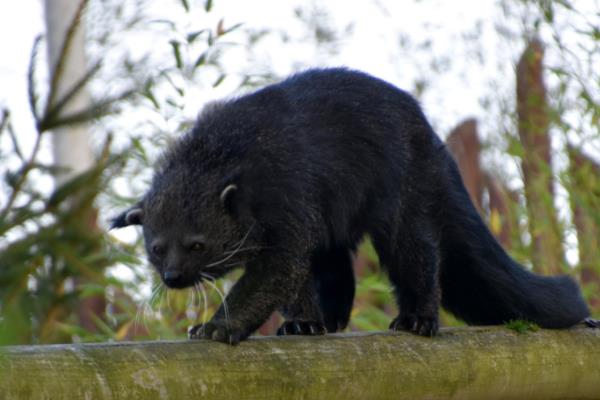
column 173, row 279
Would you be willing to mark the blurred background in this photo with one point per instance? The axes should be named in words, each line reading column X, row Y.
column 92, row 91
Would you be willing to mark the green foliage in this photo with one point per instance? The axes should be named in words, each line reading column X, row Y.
column 56, row 266
column 374, row 302
column 522, row 326
column 54, row 259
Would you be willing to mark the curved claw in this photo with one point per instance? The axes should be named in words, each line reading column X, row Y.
column 299, row 327
column 404, row 323
column 420, row 325
column 218, row 331
column 592, row 323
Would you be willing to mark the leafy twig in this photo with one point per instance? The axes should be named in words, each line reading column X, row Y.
column 96, row 110
column 6, row 125
column 52, row 113
column 22, row 177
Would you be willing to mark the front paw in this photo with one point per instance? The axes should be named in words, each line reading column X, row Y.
column 299, row 327
column 219, row 331
column 420, row 325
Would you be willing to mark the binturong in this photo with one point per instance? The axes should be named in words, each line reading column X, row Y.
column 284, row 182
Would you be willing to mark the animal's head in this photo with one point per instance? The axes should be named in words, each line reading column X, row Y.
column 193, row 230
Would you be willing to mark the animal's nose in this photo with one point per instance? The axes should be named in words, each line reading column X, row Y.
column 172, row 278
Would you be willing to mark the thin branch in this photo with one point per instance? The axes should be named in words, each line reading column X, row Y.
column 95, row 111
column 22, row 177
column 53, row 111
column 5, row 124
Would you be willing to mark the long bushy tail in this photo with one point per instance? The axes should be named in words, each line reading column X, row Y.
column 482, row 285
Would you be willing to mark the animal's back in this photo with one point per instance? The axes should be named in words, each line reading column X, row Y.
column 338, row 143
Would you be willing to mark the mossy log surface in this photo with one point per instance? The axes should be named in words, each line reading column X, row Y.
column 460, row 363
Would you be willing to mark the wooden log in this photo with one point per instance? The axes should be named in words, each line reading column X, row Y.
column 460, row 363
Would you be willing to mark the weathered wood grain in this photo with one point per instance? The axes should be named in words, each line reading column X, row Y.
column 461, row 363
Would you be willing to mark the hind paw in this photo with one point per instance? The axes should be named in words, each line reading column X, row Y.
column 336, row 325
column 298, row 327
column 420, row 325
column 592, row 323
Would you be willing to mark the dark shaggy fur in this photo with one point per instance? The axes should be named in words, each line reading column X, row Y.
column 286, row 181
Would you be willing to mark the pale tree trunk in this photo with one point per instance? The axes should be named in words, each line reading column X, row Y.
column 71, row 147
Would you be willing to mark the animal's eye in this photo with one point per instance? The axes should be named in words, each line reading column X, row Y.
column 197, row 246
column 158, row 249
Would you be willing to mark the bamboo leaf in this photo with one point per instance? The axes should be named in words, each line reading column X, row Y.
column 72, row 186
column 4, row 120
column 185, row 5
column 192, row 36
column 176, row 53
column 32, row 95
column 15, row 142
column 201, row 59
column 232, row 28
column 219, row 80
column 171, row 24
column 147, row 93
column 123, row 331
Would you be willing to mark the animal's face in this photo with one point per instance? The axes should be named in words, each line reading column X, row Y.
column 190, row 238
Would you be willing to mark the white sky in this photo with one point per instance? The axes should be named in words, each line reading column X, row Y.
column 455, row 93
column 371, row 47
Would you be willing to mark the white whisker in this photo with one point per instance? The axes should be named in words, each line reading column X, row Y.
column 204, row 299
column 169, row 301
column 244, row 249
column 146, row 306
column 136, row 320
column 212, row 283
column 232, row 252
column 191, row 300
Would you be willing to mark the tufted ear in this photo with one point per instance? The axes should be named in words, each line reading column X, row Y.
column 131, row 216
column 228, row 198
